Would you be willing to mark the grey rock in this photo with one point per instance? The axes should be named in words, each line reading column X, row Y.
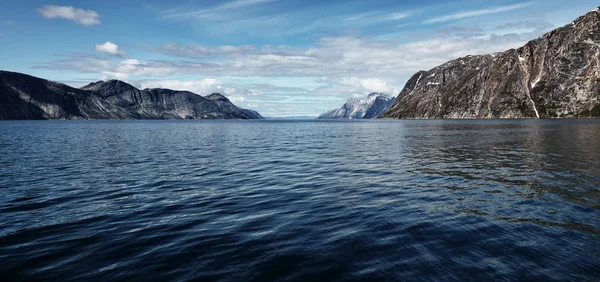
column 556, row 75
column 27, row 97
column 372, row 107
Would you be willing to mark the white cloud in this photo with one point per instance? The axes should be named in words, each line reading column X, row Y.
column 397, row 16
column 202, row 51
column 477, row 13
column 136, row 68
column 242, row 3
column 333, row 58
column 368, row 85
column 110, row 48
column 201, row 86
column 114, row 75
column 375, row 17
column 295, row 80
column 209, row 12
column 80, row 16
column 237, row 99
column 336, row 68
column 82, row 63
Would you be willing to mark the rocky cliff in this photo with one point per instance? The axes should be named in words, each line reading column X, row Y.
column 556, row 75
column 27, row 97
column 372, row 107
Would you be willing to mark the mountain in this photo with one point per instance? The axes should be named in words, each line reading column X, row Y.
column 556, row 75
column 293, row 117
column 27, row 97
column 372, row 107
column 225, row 103
column 254, row 114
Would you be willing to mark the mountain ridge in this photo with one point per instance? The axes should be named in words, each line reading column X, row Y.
column 23, row 96
column 555, row 75
column 372, row 107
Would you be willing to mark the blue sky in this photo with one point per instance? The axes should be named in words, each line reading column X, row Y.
column 282, row 58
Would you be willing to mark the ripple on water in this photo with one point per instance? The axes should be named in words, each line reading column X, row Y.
column 300, row 201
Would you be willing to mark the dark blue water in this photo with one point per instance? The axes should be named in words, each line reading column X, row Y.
column 300, row 201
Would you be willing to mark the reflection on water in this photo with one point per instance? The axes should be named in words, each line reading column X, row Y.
column 300, row 200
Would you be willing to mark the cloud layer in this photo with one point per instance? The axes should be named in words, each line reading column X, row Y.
column 371, row 50
column 80, row 16
column 286, row 80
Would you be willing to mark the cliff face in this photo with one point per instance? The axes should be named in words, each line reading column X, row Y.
column 556, row 75
column 372, row 107
column 27, row 97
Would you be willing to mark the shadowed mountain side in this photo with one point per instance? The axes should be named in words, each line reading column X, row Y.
column 27, row 97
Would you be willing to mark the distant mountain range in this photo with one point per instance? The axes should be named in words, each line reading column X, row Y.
column 27, row 97
column 375, row 105
column 556, row 75
column 293, row 117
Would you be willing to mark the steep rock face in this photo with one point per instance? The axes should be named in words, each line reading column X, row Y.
column 556, row 75
column 372, row 107
column 26, row 97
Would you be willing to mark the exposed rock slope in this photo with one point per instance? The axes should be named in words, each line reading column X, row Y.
column 27, row 97
column 372, row 107
column 556, row 75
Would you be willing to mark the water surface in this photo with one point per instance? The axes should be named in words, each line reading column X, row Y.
column 300, row 200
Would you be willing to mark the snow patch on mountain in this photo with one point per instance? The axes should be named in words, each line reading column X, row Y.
column 375, row 105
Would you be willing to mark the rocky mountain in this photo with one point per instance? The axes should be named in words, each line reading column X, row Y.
column 254, row 114
column 556, row 75
column 27, row 97
column 372, row 107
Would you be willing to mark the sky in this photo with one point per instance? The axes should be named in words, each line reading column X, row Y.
column 279, row 57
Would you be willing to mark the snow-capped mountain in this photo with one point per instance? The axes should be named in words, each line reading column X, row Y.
column 375, row 105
